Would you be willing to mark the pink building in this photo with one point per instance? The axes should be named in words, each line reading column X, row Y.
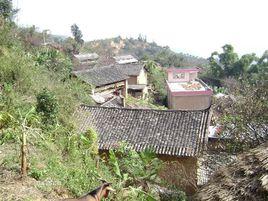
column 186, row 91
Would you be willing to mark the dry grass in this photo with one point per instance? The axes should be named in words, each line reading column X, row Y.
column 245, row 180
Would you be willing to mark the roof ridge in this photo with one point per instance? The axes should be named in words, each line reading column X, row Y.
column 144, row 109
column 93, row 68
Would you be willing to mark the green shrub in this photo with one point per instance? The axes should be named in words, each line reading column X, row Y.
column 54, row 60
column 134, row 171
column 157, row 78
column 16, row 69
column 47, row 106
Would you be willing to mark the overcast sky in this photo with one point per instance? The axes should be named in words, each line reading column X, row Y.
column 198, row 27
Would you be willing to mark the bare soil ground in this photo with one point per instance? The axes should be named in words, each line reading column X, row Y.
column 13, row 188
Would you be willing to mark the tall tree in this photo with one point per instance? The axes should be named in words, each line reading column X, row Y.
column 262, row 65
column 222, row 64
column 245, row 117
column 244, row 64
column 6, row 9
column 228, row 64
column 157, row 78
column 77, row 34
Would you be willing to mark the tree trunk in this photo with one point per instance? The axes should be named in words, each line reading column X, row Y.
column 23, row 156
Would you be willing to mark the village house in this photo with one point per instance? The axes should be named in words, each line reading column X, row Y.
column 177, row 137
column 125, row 75
column 106, row 82
column 87, row 58
column 186, row 91
column 85, row 61
column 137, row 81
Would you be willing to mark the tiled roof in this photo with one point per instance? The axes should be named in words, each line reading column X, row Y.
column 85, row 57
column 133, row 69
column 124, row 59
column 171, row 132
column 114, row 102
column 100, row 76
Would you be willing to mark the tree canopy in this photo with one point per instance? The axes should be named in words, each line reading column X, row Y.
column 228, row 63
column 6, row 9
column 77, row 34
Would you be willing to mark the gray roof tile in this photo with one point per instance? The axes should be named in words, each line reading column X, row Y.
column 100, row 76
column 171, row 132
column 132, row 69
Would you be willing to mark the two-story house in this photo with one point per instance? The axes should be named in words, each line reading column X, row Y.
column 186, row 91
column 106, row 82
column 137, row 81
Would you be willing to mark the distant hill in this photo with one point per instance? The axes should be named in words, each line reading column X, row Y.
column 106, row 48
column 142, row 50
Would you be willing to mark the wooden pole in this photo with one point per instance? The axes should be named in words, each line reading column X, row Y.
column 23, row 155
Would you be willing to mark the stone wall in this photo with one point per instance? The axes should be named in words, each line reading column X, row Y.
column 180, row 171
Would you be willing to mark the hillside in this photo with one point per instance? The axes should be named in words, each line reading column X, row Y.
column 42, row 154
column 142, row 50
column 45, row 156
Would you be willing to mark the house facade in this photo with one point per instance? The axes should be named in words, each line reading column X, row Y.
column 106, row 79
column 186, row 91
column 176, row 137
column 137, row 81
column 106, row 82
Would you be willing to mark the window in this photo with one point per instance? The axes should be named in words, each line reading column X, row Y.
column 178, row 75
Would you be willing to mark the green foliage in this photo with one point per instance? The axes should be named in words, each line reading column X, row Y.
column 143, row 49
column 217, row 90
column 166, row 58
column 179, row 196
column 70, row 46
column 6, row 9
column 228, row 58
column 7, row 37
column 15, row 68
column 157, row 78
column 54, row 60
column 77, row 34
column 90, row 140
column 141, row 103
column 72, row 166
column 35, row 92
column 228, row 64
column 243, row 65
column 47, row 106
column 134, row 171
column 245, row 117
